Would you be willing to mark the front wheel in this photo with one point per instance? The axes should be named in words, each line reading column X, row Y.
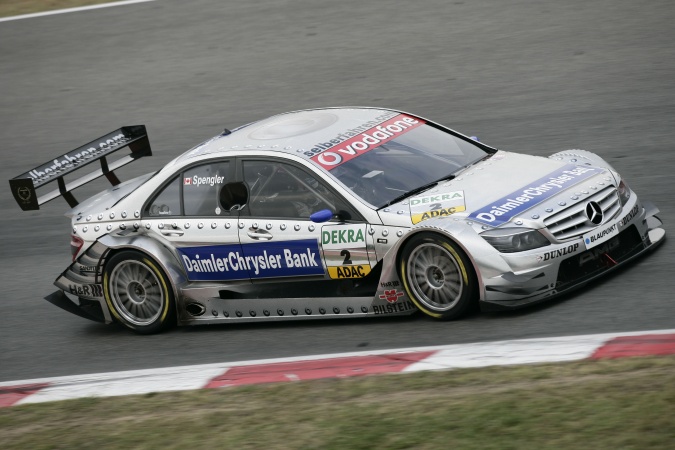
column 437, row 276
column 138, row 292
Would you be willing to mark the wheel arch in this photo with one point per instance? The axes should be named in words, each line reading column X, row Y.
column 165, row 258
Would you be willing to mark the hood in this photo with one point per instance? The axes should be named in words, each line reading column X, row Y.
column 106, row 199
column 496, row 191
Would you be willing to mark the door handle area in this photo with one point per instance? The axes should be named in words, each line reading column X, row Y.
column 257, row 234
column 172, row 233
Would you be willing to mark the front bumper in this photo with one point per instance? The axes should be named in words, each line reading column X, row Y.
column 513, row 290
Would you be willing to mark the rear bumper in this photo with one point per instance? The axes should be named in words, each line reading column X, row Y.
column 89, row 309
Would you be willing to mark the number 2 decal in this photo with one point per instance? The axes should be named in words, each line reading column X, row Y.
column 434, row 206
column 347, row 256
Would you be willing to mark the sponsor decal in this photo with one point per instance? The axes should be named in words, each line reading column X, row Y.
column 386, row 284
column 391, row 295
column 597, row 237
column 391, row 308
column 86, row 290
column 558, row 253
column 73, row 159
column 258, row 260
column 599, row 252
column 24, row 193
column 344, row 251
column 504, row 209
column 357, row 271
column 88, row 269
column 628, row 217
column 437, row 205
column 207, row 181
column 330, row 155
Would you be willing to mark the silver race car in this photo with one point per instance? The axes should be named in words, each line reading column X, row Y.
column 336, row 212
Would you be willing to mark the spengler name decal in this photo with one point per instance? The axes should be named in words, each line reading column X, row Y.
column 331, row 154
column 536, row 192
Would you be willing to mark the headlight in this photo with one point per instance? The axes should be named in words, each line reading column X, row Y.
column 624, row 192
column 511, row 240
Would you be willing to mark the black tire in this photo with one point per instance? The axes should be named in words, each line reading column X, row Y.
column 138, row 292
column 438, row 276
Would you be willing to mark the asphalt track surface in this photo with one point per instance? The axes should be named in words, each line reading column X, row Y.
column 528, row 76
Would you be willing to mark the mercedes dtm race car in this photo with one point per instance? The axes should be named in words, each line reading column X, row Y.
column 336, row 212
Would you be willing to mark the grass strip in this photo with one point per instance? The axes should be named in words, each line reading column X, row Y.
column 627, row 404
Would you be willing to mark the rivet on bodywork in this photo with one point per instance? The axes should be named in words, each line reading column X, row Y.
column 186, row 225
column 385, row 233
column 147, row 226
column 322, row 311
column 84, row 229
column 254, row 225
column 364, row 309
column 124, row 214
column 268, row 226
column 296, row 227
column 311, row 228
column 519, row 222
column 238, row 313
column 74, row 229
column 160, row 226
column 282, row 226
column 136, row 225
column 595, row 188
column 174, row 225
column 294, row 311
column 242, row 225
column 227, row 225
column 123, row 226
column 214, row 312
column 200, row 225
column 468, row 222
column 214, row 225
column 112, row 215
column 399, row 233
column 584, row 192
column 371, row 231
column 226, row 314
column 387, row 209
column 601, row 183
column 266, row 312
column 548, row 210
column 336, row 310
column 562, row 203
column 109, row 227
column 100, row 217
column 96, row 228
column 88, row 218
column 308, row 311
column 350, row 310
column 137, row 214
column 400, row 212
column 484, row 227
column 535, row 216
column 573, row 160
column 280, row 312
column 252, row 313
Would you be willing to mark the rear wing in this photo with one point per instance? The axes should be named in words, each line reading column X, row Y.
column 24, row 187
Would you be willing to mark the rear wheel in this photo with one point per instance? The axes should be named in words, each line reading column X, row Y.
column 437, row 276
column 138, row 292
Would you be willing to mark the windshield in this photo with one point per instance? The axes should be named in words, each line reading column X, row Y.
column 402, row 165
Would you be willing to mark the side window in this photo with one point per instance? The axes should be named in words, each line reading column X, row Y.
column 201, row 188
column 167, row 202
column 283, row 190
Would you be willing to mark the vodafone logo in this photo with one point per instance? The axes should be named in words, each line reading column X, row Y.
column 367, row 141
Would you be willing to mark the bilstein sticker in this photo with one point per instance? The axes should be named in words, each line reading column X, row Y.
column 436, row 205
column 504, row 209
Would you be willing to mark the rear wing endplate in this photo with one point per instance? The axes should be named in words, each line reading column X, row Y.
column 24, row 186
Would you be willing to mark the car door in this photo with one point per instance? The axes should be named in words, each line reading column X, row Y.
column 186, row 214
column 282, row 243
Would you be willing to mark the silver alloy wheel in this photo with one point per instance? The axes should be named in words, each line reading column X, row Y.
column 136, row 292
column 435, row 277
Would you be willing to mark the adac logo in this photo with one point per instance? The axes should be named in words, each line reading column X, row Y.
column 23, row 193
column 391, row 295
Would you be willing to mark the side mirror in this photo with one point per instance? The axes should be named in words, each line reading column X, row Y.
column 321, row 216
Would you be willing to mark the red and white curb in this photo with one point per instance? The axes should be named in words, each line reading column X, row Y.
column 481, row 354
